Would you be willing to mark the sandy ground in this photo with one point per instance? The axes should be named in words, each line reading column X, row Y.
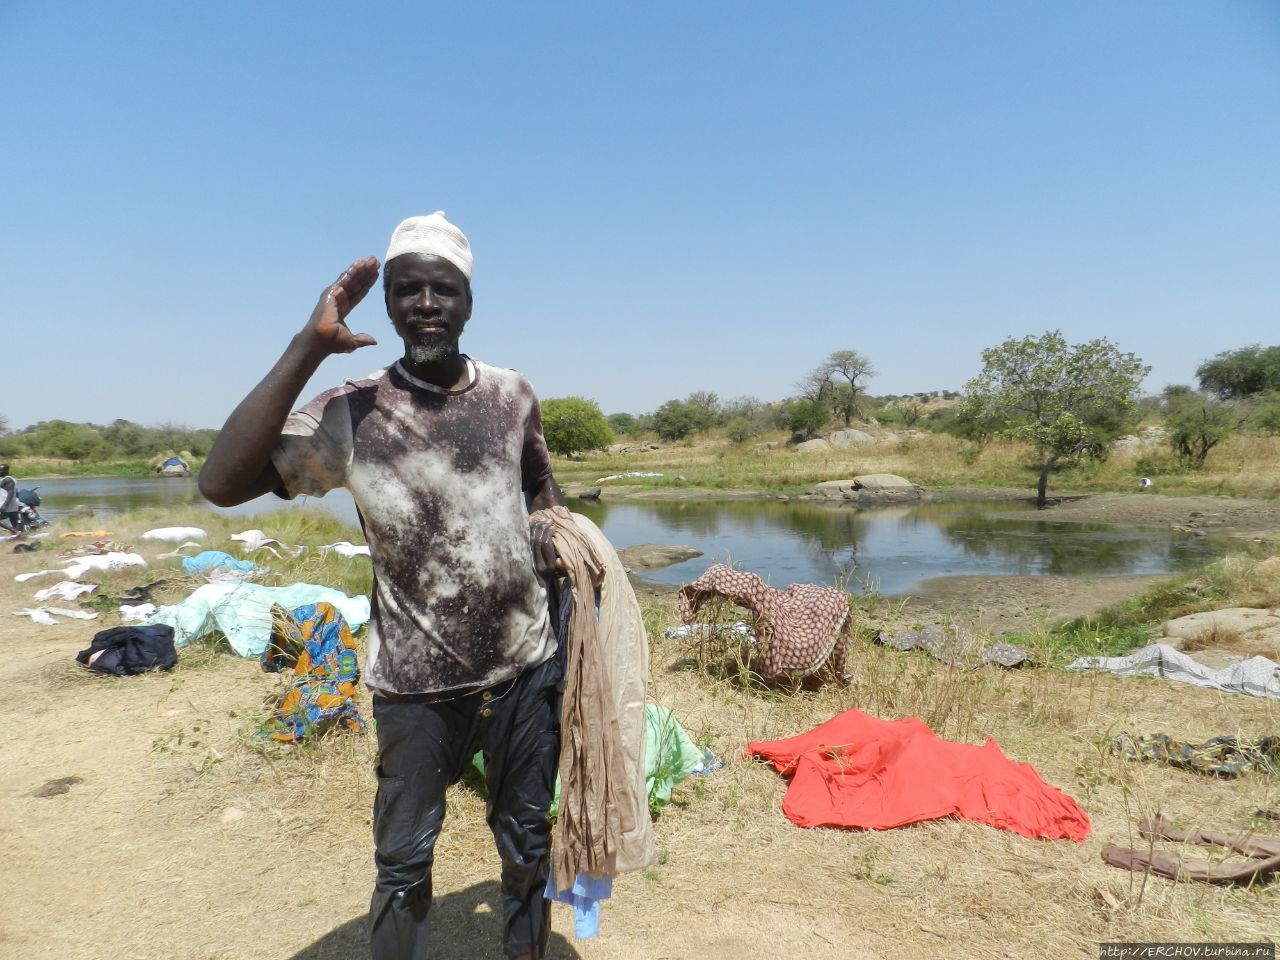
column 179, row 838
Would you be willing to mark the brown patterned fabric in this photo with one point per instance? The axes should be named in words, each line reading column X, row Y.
column 799, row 628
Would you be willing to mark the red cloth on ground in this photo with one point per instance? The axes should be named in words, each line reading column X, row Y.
column 858, row 771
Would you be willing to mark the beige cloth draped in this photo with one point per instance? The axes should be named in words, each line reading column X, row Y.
column 603, row 825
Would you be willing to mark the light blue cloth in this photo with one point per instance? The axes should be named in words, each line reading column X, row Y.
column 211, row 560
column 242, row 612
column 584, row 896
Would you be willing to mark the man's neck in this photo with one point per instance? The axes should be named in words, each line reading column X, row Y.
column 449, row 373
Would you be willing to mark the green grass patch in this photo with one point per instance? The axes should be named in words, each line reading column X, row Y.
column 1237, row 580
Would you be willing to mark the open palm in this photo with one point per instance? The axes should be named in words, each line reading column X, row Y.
column 328, row 323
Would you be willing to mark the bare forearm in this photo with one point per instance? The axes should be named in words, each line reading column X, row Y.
column 238, row 467
column 548, row 495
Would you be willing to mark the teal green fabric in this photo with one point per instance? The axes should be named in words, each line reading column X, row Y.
column 669, row 757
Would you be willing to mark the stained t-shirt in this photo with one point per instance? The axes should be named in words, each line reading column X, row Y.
column 438, row 479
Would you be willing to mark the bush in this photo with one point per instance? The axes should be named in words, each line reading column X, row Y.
column 675, row 420
column 741, row 429
column 574, row 424
column 623, row 423
column 807, row 417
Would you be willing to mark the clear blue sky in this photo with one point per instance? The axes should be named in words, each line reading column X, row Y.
column 661, row 197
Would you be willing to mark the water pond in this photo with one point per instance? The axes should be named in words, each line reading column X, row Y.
column 893, row 547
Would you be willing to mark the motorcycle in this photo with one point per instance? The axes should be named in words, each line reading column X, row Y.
column 30, row 501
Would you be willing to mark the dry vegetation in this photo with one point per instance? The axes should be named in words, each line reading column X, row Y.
column 1244, row 465
column 187, row 837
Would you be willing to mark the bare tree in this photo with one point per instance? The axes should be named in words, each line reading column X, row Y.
column 839, row 381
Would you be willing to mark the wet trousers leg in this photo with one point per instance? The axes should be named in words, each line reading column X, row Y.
column 425, row 747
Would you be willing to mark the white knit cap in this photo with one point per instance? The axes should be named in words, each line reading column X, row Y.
column 432, row 236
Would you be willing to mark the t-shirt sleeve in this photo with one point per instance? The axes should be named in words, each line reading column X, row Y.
column 313, row 454
column 535, row 461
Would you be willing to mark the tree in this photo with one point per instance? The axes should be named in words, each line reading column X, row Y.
column 910, row 411
column 741, row 429
column 1239, row 373
column 574, row 424
column 807, row 417
column 838, row 381
column 622, row 423
column 706, row 409
column 1266, row 413
column 674, row 420
column 1069, row 401
column 59, row 438
column 1196, row 423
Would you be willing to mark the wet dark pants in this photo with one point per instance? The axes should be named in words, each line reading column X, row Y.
column 425, row 747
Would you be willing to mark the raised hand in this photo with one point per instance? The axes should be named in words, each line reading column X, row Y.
column 328, row 323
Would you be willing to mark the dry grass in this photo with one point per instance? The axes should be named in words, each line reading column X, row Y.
column 1243, row 465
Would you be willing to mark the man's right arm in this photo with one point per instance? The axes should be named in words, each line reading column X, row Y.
column 239, row 466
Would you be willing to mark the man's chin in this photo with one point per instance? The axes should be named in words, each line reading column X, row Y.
column 432, row 353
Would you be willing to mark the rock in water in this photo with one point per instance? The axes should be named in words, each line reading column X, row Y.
column 653, row 555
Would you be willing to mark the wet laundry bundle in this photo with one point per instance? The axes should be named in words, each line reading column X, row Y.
column 125, row 651
column 315, row 643
column 859, row 771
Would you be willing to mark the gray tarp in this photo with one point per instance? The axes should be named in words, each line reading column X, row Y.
column 1257, row 676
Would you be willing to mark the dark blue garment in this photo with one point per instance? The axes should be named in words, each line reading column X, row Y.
column 130, row 650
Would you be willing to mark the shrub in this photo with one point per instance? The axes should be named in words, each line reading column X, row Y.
column 807, row 417
column 622, row 423
column 573, row 424
column 675, row 420
column 741, row 429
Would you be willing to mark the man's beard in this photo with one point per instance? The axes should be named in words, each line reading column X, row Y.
column 432, row 352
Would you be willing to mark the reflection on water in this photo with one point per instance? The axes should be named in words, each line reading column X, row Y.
column 895, row 547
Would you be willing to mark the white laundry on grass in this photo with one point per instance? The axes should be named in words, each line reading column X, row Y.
column 47, row 615
column 136, row 612
column 623, row 476
column 177, row 551
column 344, row 548
column 65, row 590
column 82, row 565
column 253, row 540
column 174, row 534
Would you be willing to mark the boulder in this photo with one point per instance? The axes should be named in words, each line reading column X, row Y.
column 847, row 438
column 869, row 488
column 817, row 445
column 1151, row 438
column 1238, row 628
column 591, row 493
column 653, row 555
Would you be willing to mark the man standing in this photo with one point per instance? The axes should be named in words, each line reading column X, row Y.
column 10, row 505
column 444, row 456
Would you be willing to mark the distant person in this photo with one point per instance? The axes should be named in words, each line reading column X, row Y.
column 10, row 506
column 444, row 456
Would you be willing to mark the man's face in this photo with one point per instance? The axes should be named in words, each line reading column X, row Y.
column 429, row 302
